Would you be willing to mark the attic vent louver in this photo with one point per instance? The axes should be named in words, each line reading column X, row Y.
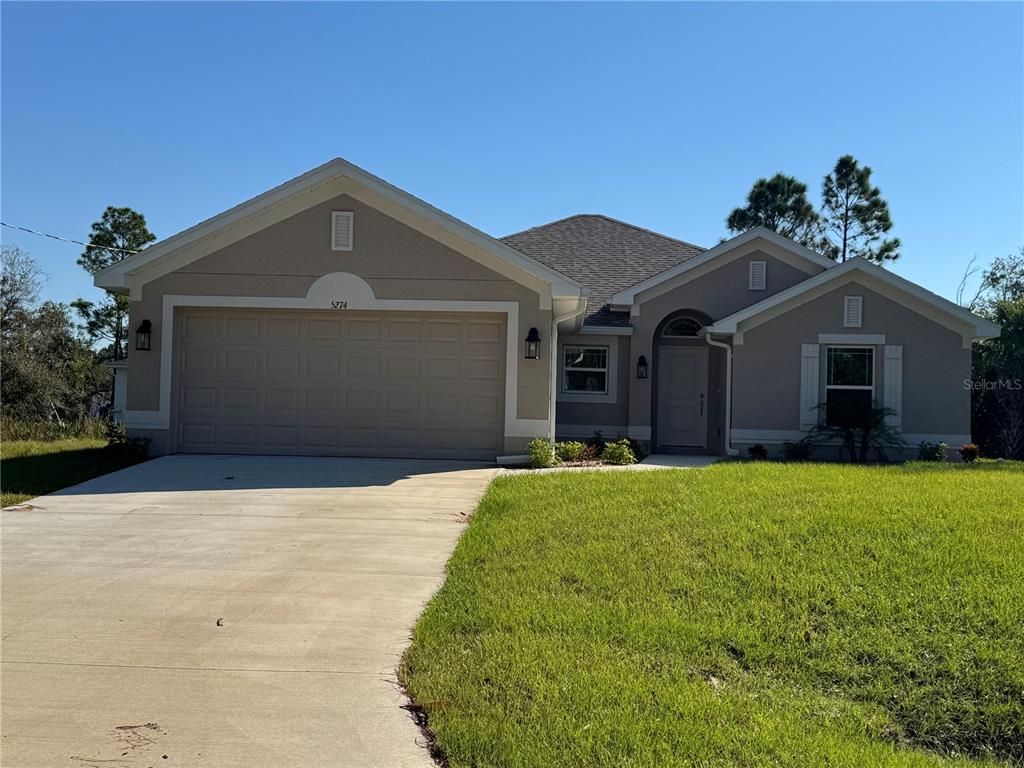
column 758, row 275
column 341, row 231
column 853, row 311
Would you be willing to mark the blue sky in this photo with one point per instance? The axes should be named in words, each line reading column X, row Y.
column 509, row 116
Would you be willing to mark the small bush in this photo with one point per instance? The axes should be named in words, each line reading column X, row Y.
column 541, row 453
column 597, row 441
column 571, row 450
column 757, row 452
column 800, row 450
column 932, row 451
column 639, row 449
column 618, row 452
column 969, row 452
column 123, row 446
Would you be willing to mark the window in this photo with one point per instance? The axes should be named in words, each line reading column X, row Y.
column 758, row 275
column 853, row 311
column 341, row 230
column 585, row 370
column 682, row 327
column 849, row 384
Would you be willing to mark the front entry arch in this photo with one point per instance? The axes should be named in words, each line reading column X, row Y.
column 681, row 404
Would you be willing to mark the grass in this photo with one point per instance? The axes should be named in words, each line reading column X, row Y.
column 747, row 614
column 30, row 468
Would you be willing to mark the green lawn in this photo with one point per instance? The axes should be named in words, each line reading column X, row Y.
column 31, row 468
column 747, row 614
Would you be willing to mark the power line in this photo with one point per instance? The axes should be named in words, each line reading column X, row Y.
column 65, row 239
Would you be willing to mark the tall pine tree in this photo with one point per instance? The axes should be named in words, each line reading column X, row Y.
column 855, row 215
column 781, row 205
column 119, row 233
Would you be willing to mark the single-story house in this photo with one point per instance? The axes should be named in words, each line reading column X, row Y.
column 337, row 314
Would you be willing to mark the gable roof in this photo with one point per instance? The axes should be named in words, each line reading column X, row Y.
column 146, row 265
column 604, row 255
column 629, row 295
column 804, row 291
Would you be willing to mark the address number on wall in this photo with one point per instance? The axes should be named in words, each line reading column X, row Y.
column 339, row 304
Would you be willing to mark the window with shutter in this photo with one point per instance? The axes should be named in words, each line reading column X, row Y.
column 853, row 311
column 758, row 275
column 341, row 231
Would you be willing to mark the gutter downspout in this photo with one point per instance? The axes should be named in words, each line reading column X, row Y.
column 581, row 308
column 729, row 450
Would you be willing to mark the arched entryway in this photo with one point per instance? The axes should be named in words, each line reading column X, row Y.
column 683, row 417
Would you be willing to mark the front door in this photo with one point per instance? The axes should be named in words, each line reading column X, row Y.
column 682, row 397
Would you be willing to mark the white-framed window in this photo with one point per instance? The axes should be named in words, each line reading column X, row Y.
column 585, row 369
column 849, row 383
column 341, row 230
column 758, row 275
column 853, row 311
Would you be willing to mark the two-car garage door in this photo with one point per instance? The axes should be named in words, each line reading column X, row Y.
column 306, row 382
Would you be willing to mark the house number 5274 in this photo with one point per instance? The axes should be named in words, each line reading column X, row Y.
column 338, row 304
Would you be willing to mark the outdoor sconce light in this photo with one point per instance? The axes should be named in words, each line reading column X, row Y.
column 641, row 367
column 144, row 336
column 532, row 345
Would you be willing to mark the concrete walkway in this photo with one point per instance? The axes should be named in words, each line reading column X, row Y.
column 223, row 611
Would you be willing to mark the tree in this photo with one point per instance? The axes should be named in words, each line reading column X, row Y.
column 48, row 372
column 20, row 278
column 855, row 215
column 997, row 393
column 118, row 234
column 780, row 204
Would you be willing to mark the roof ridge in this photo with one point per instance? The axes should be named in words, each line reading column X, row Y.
column 612, row 219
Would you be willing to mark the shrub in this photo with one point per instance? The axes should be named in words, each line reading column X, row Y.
column 969, row 452
column 800, row 450
column 932, row 451
column 639, row 449
column 541, row 453
column 571, row 450
column 757, row 452
column 597, row 442
column 618, row 452
column 121, row 445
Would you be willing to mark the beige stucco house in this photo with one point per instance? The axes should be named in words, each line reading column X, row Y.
column 339, row 315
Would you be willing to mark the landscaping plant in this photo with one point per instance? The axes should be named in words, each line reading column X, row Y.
column 619, row 452
column 540, row 453
column 932, row 451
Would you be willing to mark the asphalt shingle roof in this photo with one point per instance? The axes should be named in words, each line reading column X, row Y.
column 603, row 254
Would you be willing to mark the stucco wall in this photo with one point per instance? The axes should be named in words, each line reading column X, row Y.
column 766, row 367
column 716, row 294
column 285, row 259
column 575, row 418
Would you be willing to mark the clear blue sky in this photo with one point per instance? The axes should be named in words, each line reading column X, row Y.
column 509, row 116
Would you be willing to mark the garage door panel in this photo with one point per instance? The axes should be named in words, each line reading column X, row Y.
column 363, row 383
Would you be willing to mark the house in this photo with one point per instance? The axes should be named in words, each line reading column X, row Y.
column 336, row 314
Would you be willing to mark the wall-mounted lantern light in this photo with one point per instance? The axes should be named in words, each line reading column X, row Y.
column 144, row 336
column 641, row 367
column 532, row 345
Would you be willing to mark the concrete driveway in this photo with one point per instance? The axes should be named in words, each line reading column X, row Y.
column 223, row 611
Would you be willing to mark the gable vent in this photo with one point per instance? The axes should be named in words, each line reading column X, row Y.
column 341, row 231
column 853, row 311
column 758, row 275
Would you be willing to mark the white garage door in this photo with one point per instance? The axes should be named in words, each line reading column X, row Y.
column 340, row 383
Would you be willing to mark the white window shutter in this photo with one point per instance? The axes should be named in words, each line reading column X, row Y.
column 853, row 311
column 809, row 377
column 892, row 386
column 341, row 231
column 758, row 275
